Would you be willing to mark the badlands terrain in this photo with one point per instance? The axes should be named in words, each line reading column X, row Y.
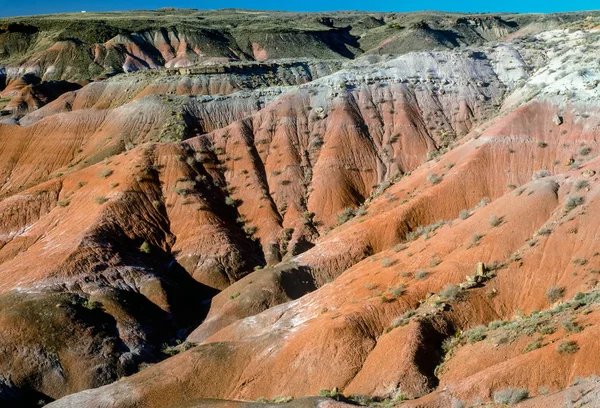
column 258, row 209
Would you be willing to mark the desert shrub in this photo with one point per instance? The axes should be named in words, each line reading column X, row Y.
column 476, row 334
column 510, row 396
column 495, row 220
column 397, row 290
column 542, row 144
column 579, row 184
column 387, row 262
column 333, row 393
column 100, row 200
column 105, row 173
column 464, row 214
column 573, row 201
column 64, row 203
column 540, row 174
column 534, row 345
column 571, row 326
column 475, row 238
column 544, row 231
column 371, row 286
column 567, row 347
column 424, row 231
column 450, row 292
column 230, row 201
column 434, row 179
column 546, row 329
column 553, row 293
column 400, row 247
column 345, row 215
column 456, row 403
column 484, row 201
column 145, row 247
column 308, row 217
column 408, row 314
column 585, row 150
column 170, row 350
column 421, row 274
column 360, row 211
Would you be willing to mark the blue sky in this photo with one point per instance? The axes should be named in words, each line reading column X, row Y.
column 29, row 7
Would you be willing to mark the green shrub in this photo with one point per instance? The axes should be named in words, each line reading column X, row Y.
column 476, row 334
column 534, row 345
column 145, row 247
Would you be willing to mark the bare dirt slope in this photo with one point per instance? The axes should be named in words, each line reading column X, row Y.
column 414, row 229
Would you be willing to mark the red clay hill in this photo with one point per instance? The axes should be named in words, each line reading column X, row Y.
column 244, row 209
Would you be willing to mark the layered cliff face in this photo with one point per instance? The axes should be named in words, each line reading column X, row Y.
column 81, row 47
column 385, row 228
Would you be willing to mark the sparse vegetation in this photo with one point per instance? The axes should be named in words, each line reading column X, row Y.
column 400, row 247
column 145, row 247
column 450, row 292
column 345, row 216
column 387, row 262
column 397, row 291
column 475, row 238
column 510, row 396
column 553, row 293
column 567, row 347
column 476, row 334
column 573, row 201
column 421, row 274
column 533, row 345
column 540, row 174
column 100, row 200
column 434, row 179
column 579, row 184
column 585, row 150
column 495, row 220
column 105, row 173
column 424, row 231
